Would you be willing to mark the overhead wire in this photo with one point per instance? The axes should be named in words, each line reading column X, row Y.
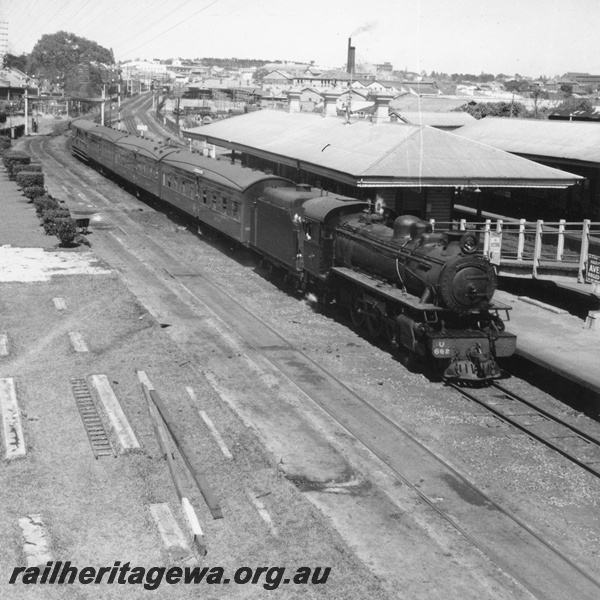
column 170, row 28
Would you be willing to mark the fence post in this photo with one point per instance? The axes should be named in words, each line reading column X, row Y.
column 537, row 249
column 560, row 247
column 521, row 241
column 583, row 257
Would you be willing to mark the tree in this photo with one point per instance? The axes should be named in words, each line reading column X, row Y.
column 566, row 89
column 572, row 105
column 11, row 61
column 495, row 109
column 58, row 56
column 259, row 75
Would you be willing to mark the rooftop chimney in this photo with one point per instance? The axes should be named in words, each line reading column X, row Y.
column 294, row 100
column 382, row 107
column 330, row 104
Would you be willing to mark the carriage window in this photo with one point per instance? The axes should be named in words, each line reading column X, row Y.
column 224, row 204
column 204, row 198
column 235, row 210
column 214, row 201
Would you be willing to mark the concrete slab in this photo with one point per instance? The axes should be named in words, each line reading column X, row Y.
column 37, row 541
column 14, row 439
column 60, row 303
column 78, row 342
column 172, row 537
column 115, row 414
column 3, row 344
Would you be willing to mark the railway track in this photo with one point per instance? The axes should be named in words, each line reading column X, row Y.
column 539, row 423
column 504, row 538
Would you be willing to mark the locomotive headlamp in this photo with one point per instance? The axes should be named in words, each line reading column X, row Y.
column 469, row 243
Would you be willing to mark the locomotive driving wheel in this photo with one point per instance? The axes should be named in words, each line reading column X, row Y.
column 374, row 324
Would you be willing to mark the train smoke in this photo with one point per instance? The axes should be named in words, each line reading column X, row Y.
column 364, row 29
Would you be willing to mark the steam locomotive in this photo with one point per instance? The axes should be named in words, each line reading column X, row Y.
column 425, row 291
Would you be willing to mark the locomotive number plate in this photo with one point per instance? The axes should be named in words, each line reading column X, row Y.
column 442, row 348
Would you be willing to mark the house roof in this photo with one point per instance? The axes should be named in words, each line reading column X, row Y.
column 569, row 140
column 368, row 154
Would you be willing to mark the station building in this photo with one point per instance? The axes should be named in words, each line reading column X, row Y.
column 572, row 146
column 414, row 169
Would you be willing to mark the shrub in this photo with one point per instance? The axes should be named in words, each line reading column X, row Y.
column 2, row 117
column 14, row 157
column 33, row 191
column 28, row 178
column 45, row 203
column 66, row 230
column 5, row 142
column 50, row 219
column 33, row 167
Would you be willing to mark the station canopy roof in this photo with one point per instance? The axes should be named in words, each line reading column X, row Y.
column 365, row 154
column 568, row 140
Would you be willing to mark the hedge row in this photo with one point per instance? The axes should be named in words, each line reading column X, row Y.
column 19, row 131
column 56, row 219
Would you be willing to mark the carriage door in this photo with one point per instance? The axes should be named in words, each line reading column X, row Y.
column 196, row 200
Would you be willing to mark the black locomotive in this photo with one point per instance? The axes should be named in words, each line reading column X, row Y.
column 426, row 291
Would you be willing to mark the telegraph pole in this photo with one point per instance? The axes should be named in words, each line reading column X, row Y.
column 26, row 109
column 102, row 103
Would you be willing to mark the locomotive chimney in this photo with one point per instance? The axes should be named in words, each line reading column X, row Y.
column 351, row 57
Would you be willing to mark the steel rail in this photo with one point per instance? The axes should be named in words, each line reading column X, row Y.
column 592, row 466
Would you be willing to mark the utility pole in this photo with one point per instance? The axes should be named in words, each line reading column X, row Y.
column 119, row 103
column 26, row 109
column 102, row 103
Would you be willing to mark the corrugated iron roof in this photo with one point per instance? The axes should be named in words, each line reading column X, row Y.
column 535, row 137
column 412, row 103
column 376, row 154
column 436, row 119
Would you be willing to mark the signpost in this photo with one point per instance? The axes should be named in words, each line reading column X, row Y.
column 592, row 271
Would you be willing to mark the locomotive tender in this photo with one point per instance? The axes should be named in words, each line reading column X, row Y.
column 424, row 291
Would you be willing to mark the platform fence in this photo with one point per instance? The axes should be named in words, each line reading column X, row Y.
column 538, row 249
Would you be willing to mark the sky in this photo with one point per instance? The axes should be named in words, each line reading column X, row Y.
column 529, row 37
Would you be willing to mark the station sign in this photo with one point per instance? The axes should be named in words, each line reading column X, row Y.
column 142, row 127
column 592, row 272
column 495, row 248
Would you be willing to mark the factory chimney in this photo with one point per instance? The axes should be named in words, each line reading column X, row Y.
column 351, row 57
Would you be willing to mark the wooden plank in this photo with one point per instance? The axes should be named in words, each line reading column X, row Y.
column 187, row 452
column 14, row 439
column 115, row 414
column 165, row 445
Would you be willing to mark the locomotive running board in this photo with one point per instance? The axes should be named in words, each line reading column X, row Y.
column 385, row 289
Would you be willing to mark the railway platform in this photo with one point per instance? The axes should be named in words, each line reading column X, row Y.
column 556, row 340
